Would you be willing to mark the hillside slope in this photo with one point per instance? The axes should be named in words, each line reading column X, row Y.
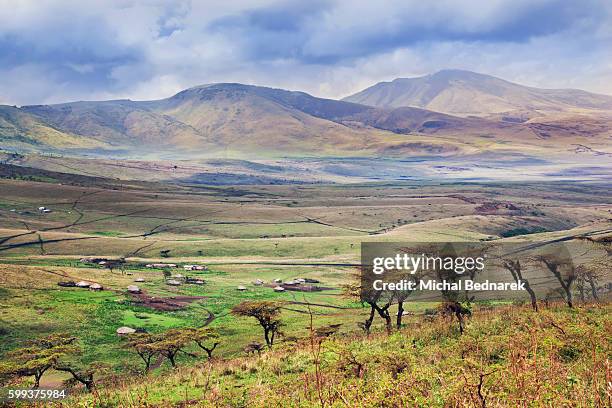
column 210, row 119
column 119, row 123
column 468, row 93
column 22, row 130
column 508, row 356
column 246, row 121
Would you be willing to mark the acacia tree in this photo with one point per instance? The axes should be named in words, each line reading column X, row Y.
column 38, row 356
column 267, row 314
column 206, row 338
column 556, row 265
column 598, row 265
column 378, row 301
column 140, row 343
column 457, row 310
column 514, row 267
column 115, row 264
column 169, row 344
column 84, row 375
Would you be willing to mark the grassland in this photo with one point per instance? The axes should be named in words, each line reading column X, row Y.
column 509, row 357
column 243, row 233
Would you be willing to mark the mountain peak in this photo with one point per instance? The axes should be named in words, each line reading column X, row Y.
column 467, row 93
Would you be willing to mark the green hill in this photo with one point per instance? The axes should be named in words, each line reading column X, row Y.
column 507, row 356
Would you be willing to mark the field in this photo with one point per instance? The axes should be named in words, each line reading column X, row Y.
column 247, row 232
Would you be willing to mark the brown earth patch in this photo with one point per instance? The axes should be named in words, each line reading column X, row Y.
column 167, row 304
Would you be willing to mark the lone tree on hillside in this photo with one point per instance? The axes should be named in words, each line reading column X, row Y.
column 37, row 357
column 267, row 314
column 206, row 338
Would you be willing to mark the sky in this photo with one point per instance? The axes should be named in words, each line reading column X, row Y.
column 66, row 50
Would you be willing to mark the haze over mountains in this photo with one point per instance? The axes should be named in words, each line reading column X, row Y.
column 431, row 115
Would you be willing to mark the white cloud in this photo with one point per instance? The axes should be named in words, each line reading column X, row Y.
column 52, row 51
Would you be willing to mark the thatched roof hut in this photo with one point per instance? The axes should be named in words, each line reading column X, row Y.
column 124, row 331
column 133, row 289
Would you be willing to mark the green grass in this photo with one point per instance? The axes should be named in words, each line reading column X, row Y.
column 108, row 233
column 224, row 231
column 518, row 357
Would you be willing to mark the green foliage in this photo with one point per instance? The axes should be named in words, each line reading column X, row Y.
column 511, row 356
column 37, row 357
column 522, row 231
column 267, row 314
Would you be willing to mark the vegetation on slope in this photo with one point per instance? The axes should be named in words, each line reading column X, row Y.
column 510, row 356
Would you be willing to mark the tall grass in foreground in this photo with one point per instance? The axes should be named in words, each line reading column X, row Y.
column 508, row 356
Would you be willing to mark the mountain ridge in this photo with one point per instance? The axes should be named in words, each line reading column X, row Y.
column 466, row 93
column 213, row 119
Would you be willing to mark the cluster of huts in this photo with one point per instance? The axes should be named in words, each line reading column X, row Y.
column 81, row 284
column 178, row 280
column 173, row 280
column 297, row 284
column 171, row 266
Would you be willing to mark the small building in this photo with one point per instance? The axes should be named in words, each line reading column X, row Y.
column 95, row 286
column 258, row 282
column 194, row 267
column 279, row 289
column 124, row 331
column 173, row 282
column 241, row 288
column 139, row 280
column 133, row 289
column 82, row 284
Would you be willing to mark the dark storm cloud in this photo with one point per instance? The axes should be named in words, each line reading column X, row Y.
column 285, row 30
